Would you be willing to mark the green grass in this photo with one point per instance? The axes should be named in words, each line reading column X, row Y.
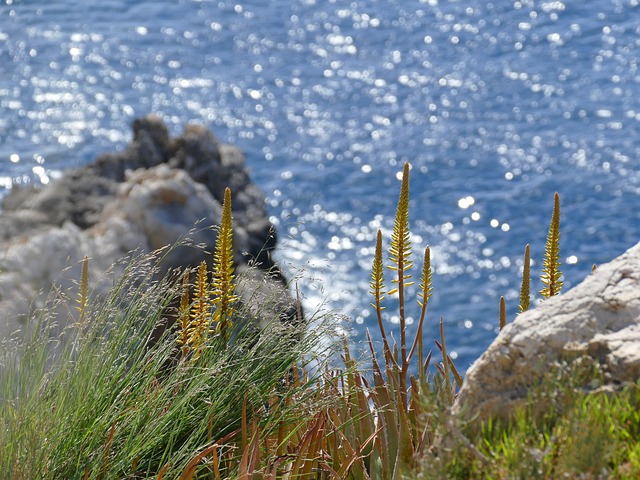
column 593, row 436
column 119, row 394
column 110, row 400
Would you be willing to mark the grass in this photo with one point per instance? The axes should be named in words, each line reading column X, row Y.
column 166, row 378
column 563, row 431
column 110, row 400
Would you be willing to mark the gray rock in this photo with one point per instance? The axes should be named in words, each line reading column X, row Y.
column 157, row 192
column 596, row 323
column 81, row 194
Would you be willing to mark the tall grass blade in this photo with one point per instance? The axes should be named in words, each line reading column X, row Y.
column 189, row 472
column 184, row 317
column 387, row 441
column 251, row 457
column 405, row 451
column 450, row 390
column 107, row 450
column 83, row 291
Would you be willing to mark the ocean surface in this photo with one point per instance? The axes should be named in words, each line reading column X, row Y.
column 496, row 105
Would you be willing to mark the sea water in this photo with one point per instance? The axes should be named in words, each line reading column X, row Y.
column 496, row 106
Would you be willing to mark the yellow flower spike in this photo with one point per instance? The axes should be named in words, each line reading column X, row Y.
column 184, row 297
column 526, row 281
column 423, row 300
column 199, row 325
column 503, row 313
column 399, row 254
column 377, row 275
column 377, row 290
column 222, row 283
column 400, row 249
column 551, row 273
column 425, row 280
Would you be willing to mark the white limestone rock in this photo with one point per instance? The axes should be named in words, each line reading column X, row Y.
column 597, row 321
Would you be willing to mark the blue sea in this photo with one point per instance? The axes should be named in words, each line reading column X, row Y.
column 496, row 105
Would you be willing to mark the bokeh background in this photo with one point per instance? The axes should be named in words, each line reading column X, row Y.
column 496, row 105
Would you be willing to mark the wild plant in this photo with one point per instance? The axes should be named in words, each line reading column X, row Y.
column 593, row 435
column 109, row 401
column 198, row 329
column 551, row 274
column 83, row 291
column 503, row 313
column 214, row 300
column 184, row 338
column 355, row 428
column 222, row 284
column 396, row 425
column 526, row 281
column 112, row 402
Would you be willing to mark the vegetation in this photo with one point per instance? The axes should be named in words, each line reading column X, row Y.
column 551, row 274
column 591, row 436
column 166, row 378
column 526, row 281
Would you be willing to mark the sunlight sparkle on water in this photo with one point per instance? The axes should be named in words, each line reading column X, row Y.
column 466, row 202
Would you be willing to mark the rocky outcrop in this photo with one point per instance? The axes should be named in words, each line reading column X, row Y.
column 155, row 193
column 597, row 323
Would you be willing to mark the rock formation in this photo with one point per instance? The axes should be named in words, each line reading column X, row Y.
column 156, row 192
column 597, row 323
